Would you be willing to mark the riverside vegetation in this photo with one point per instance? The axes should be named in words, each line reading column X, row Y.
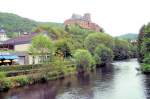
column 144, row 48
column 69, row 49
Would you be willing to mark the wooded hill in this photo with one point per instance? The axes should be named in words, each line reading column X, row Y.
column 13, row 24
column 128, row 36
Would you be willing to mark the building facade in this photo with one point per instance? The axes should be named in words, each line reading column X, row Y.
column 20, row 45
column 3, row 36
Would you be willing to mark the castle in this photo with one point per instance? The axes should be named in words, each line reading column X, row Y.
column 84, row 22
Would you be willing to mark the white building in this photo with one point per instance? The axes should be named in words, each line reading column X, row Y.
column 3, row 36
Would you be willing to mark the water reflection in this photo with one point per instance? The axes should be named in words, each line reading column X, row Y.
column 147, row 85
column 120, row 81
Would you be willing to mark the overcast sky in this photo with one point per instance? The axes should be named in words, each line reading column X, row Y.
column 115, row 16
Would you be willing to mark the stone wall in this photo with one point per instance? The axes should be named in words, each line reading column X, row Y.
column 83, row 21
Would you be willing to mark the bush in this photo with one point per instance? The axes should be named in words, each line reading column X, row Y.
column 21, row 67
column 59, row 64
column 145, row 68
column 22, row 80
column 2, row 75
column 84, row 59
column 147, row 58
column 5, row 84
column 103, row 54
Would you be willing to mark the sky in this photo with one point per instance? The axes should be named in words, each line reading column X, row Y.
column 117, row 17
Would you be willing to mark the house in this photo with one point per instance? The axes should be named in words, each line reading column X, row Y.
column 84, row 22
column 20, row 46
column 20, row 43
column 3, row 36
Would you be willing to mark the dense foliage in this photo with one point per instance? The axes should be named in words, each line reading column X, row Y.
column 121, row 49
column 71, row 38
column 144, row 47
column 41, row 45
column 84, row 60
column 94, row 39
column 103, row 55
column 63, row 48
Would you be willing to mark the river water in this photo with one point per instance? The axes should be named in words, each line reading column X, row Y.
column 119, row 81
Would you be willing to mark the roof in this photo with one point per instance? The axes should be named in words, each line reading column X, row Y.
column 23, row 39
column 2, row 31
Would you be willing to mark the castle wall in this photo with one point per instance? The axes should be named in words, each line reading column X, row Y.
column 84, row 22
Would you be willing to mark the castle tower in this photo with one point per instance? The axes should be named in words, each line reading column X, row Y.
column 87, row 17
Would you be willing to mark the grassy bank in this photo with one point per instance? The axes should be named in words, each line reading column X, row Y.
column 17, row 76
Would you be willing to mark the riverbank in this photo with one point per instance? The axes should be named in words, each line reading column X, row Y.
column 24, row 75
column 110, row 82
column 19, row 76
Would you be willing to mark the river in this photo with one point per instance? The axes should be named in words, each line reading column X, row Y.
column 118, row 81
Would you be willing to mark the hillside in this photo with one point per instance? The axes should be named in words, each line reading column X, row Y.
column 13, row 23
column 129, row 36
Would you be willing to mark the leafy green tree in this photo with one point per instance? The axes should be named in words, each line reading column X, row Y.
column 144, row 47
column 103, row 55
column 94, row 39
column 63, row 47
column 140, row 44
column 55, row 32
column 78, row 34
column 121, row 49
column 42, row 46
column 133, row 50
column 84, row 60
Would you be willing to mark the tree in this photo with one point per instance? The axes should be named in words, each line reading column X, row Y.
column 103, row 55
column 41, row 45
column 140, row 44
column 121, row 49
column 55, row 32
column 144, row 47
column 84, row 60
column 77, row 34
column 94, row 39
column 63, row 47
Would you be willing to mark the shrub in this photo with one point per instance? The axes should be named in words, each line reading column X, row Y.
column 84, row 59
column 2, row 75
column 21, row 67
column 145, row 68
column 58, row 63
column 5, row 84
column 103, row 54
column 22, row 80
column 147, row 58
